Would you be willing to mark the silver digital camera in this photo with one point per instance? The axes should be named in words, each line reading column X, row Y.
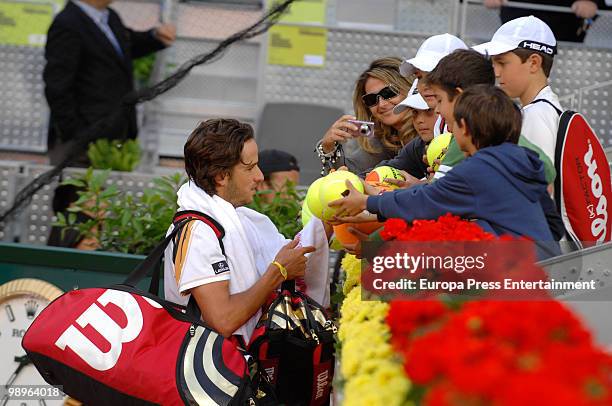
column 365, row 128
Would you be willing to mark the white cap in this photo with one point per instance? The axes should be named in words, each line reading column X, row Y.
column 430, row 52
column 414, row 101
column 524, row 32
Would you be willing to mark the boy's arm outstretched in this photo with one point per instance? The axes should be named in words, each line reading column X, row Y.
column 449, row 194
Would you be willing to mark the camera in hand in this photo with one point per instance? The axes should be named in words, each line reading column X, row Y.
column 365, row 128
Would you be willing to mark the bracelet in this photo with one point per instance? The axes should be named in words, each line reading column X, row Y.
column 322, row 154
column 328, row 159
column 281, row 268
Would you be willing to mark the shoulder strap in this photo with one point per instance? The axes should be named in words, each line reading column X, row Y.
column 564, row 122
column 153, row 261
column 182, row 217
column 211, row 222
column 559, row 112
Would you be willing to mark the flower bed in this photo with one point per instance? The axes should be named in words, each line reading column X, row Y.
column 436, row 352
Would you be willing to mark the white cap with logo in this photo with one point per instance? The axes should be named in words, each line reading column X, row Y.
column 414, row 101
column 430, row 52
column 524, row 32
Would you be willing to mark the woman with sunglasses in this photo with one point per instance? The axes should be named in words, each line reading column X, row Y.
column 377, row 91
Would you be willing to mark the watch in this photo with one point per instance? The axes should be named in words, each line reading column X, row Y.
column 21, row 300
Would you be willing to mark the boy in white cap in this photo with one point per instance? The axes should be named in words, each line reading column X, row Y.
column 522, row 52
column 410, row 158
column 426, row 59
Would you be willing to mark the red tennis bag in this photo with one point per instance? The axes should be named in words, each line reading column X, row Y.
column 122, row 346
column 583, row 188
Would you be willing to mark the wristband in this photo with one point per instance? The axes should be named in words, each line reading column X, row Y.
column 281, row 268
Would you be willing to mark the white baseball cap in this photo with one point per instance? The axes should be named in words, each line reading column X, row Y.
column 414, row 100
column 430, row 52
column 524, row 32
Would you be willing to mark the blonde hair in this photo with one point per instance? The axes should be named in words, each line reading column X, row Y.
column 386, row 70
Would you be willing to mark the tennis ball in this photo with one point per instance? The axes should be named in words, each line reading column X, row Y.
column 312, row 199
column 333, row 188
column 434, row 151
column 377, row 176
column 345, row 237
column 306, row 213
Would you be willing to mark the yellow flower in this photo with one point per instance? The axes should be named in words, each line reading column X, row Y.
column 386, row 385
column 374, row 375
column 352, row 269
column 364, row 344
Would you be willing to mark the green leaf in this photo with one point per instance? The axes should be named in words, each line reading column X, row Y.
column 74, row 182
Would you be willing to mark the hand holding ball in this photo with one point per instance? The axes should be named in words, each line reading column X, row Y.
column 377, row 177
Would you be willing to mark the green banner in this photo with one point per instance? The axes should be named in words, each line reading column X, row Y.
column 25, row 23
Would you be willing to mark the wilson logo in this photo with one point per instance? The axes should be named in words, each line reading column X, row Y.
column 322, row 383
column 600, row 220
column 100, row 321
column 271, row 371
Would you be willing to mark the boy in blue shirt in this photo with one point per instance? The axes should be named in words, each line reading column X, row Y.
column 500, row 184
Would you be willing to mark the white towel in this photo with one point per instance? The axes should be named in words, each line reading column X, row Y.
column 266, row 241
column 237, row 246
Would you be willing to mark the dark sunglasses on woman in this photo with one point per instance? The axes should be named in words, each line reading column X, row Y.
column 386, row 93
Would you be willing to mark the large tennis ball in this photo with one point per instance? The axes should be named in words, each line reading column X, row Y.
column 306, row 214
column 434, row 151
column 333, row 187
column 377, row 176
column 312, row 199
column 346, row 237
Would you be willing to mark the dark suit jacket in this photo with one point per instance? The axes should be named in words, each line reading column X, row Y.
column 565, row 26
column 85, row 78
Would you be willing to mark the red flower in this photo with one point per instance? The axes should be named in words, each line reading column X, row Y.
column 494, row 352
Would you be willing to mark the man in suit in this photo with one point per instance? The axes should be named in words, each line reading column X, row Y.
column 571, row 27
column 89, row 56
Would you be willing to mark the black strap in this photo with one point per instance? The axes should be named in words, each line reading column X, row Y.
column 205, row 218
column 559, row 112
column 152, row 262
column 288, row 285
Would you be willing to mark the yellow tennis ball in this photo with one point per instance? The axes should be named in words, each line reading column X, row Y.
column 378, row 175
column 306, row 213
column 312, row 199
column 434, row 150
column 333, row 188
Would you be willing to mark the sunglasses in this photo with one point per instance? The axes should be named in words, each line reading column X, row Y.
column 386, row 93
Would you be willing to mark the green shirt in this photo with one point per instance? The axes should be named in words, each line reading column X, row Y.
column 454, row 155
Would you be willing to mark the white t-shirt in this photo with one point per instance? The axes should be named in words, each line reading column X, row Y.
column 541, row 123
column 440, row 127
column 198, row 260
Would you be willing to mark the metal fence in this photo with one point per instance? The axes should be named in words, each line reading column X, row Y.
column 33, row 224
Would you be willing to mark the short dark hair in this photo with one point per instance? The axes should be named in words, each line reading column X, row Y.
column 461, row 69
column 490, row 115
column 547, row 60
column 214, row 148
